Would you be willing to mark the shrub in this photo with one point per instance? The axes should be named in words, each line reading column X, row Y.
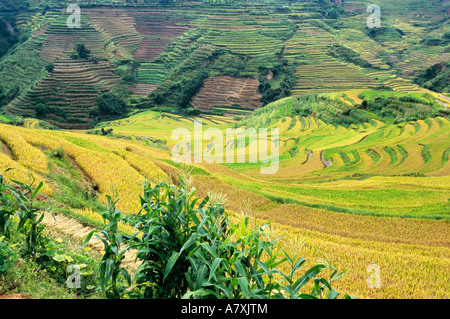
column 59, row 153
column 41, row 110
column 50, row 67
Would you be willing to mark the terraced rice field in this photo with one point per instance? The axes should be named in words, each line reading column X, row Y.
column 61, row 40
column 101, row 163
column 182, row 38
column 372, row 193
column 360, row 210
column 359, row 155
column 73, row 86
column 356, row 155
column 120, row 31
column 317, row 71
column 157, row 32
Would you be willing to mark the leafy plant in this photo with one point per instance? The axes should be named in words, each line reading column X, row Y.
column 166, row 218
column 56, row 259
column 109, row 271
column 194, row 251
column 248, row 267
column 30, row 217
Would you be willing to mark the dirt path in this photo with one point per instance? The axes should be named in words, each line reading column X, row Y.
column 72, row 227
column 442, row 96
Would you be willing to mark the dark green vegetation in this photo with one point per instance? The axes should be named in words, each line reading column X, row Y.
column 82, row 51
column 271, row 92
column 435, row 78
column 348, row 55
column 401, row 108
column 8, row 36
column 109, row 106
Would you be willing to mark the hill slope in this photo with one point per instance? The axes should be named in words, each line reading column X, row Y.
column 171, row 51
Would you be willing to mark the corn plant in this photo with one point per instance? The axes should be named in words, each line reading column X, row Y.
column 166, row 218
column 109, row 271
column 30, row 217
column 247, row 267
column 194, row 251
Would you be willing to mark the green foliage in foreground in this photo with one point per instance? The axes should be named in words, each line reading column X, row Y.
column 31, row 262
column 190, row 249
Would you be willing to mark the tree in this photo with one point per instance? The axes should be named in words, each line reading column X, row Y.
column 109, row 104
column 41, row 110
column 83, row 52
column 50, row 67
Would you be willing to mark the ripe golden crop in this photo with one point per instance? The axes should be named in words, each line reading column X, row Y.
column 23, row 152
column 111, row 172
column 21, row 173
